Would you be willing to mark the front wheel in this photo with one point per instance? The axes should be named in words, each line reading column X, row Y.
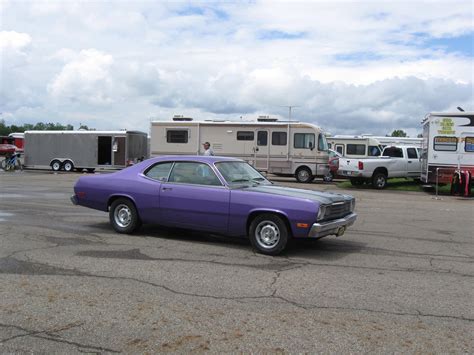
column 379, row 181
column 268, row 234
column 304, row 175
column 124, row 216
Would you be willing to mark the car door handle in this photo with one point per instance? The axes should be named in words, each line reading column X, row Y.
column 409, row 162
column 167, row 188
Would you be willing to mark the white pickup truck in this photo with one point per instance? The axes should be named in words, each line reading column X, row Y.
column 396, row 161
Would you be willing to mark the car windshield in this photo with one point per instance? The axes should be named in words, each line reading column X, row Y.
column 238, row 173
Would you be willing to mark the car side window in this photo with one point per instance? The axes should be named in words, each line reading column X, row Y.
column 412, row 153
column 159, row 171
column 194, row 173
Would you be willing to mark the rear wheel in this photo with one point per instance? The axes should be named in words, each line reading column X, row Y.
column 68, row 166
column 3, row 164
column 268, row 234
column 379, row 181
column 357, row 181
column 124, row 216
column 304, row 175
column 56, row 165
column 90, row 170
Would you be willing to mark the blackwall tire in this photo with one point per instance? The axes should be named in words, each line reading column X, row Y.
column 268, row 234
column 357, row 181
column 124, row 216
column 379, row 181
column 304, row 175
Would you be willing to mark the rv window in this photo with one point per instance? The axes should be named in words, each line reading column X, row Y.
column 159, row 171
column 340, row 149
column 374, row 151
column 244, row 135
column 355, row 149
column 303, row 140
column 469, row 144
column 177, row 136
column 322, row 143
column 262, row 138
column 445, row 144
column 278, row 138
column 411, row 152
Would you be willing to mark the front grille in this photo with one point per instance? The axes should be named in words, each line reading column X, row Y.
column 337, row 210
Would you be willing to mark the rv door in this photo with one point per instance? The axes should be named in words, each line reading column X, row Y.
column 261, row 150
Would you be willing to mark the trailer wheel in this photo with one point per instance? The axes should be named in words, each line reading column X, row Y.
column 304, row 175
column 379, row 181
column 56, row 165
column 90, row 170
column 68, row 166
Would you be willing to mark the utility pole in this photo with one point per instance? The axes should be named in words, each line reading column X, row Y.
column 290, row 107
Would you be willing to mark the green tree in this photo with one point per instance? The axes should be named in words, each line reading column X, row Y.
column 399, row 133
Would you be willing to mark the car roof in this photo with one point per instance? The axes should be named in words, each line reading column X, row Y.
column 198, row 158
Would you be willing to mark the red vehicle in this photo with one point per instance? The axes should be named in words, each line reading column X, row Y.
column 333, row 164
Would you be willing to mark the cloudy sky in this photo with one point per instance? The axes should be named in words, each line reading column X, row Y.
column 351, row 67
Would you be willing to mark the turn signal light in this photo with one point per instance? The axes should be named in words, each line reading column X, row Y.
column 302, row 225
column 361, row 165
column 81, row 194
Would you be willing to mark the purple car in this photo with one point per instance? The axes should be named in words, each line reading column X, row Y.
column 214, row 194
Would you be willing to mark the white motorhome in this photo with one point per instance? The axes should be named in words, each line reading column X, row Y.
column 280, row 148
column 355, row 147
column 398, row 141
column 448, row 145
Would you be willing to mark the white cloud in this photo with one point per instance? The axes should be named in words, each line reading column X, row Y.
column 351, row 66
column 85, row 79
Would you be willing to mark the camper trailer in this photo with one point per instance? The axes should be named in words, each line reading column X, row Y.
column 355, row 147
column 448, row 145
column 281, row 148
column 69, row 150
column 398, row 141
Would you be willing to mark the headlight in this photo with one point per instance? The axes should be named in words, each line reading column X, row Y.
column 321, row 212
column 353, row 204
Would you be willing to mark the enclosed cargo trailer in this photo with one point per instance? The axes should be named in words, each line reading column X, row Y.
column 69, row 150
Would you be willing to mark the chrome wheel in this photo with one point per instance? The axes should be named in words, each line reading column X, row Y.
column 122, row 216
column 56, row 165
column 267, row 234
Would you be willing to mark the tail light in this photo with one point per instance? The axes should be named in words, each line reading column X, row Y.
column 361, row 165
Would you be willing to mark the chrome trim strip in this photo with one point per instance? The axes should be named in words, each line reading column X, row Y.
column 319, row 230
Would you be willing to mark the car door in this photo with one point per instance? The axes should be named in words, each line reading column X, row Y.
column 413, row 163
column 194, row 197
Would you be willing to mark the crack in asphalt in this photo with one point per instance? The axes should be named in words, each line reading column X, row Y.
column 272, row 295
column 50, row 334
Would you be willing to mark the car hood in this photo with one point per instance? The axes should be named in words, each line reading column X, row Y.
column 318, row 196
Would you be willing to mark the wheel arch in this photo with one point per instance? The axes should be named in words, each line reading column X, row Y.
column 382, row 170
column 255, row 213
column 115, row 197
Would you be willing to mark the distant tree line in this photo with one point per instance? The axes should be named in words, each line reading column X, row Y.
column 5, row 130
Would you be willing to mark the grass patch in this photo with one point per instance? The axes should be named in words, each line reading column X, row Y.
column 397, row 184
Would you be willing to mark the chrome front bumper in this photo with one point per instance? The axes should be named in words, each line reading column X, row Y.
column 336, row 226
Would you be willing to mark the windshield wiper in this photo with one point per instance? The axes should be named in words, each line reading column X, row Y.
column 258, row 179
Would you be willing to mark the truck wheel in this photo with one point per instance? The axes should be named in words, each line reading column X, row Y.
column 268, row 234
column 356, row 181
column 90, row 170
column 56, row 165
column 379, row 181
column 68, row 166
column 124, row 216
column 304, row 175
column 329, row 177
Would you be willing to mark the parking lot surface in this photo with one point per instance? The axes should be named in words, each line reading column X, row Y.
column 400, row 280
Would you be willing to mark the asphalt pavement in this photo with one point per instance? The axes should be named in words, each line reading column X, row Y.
column 400, row 280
